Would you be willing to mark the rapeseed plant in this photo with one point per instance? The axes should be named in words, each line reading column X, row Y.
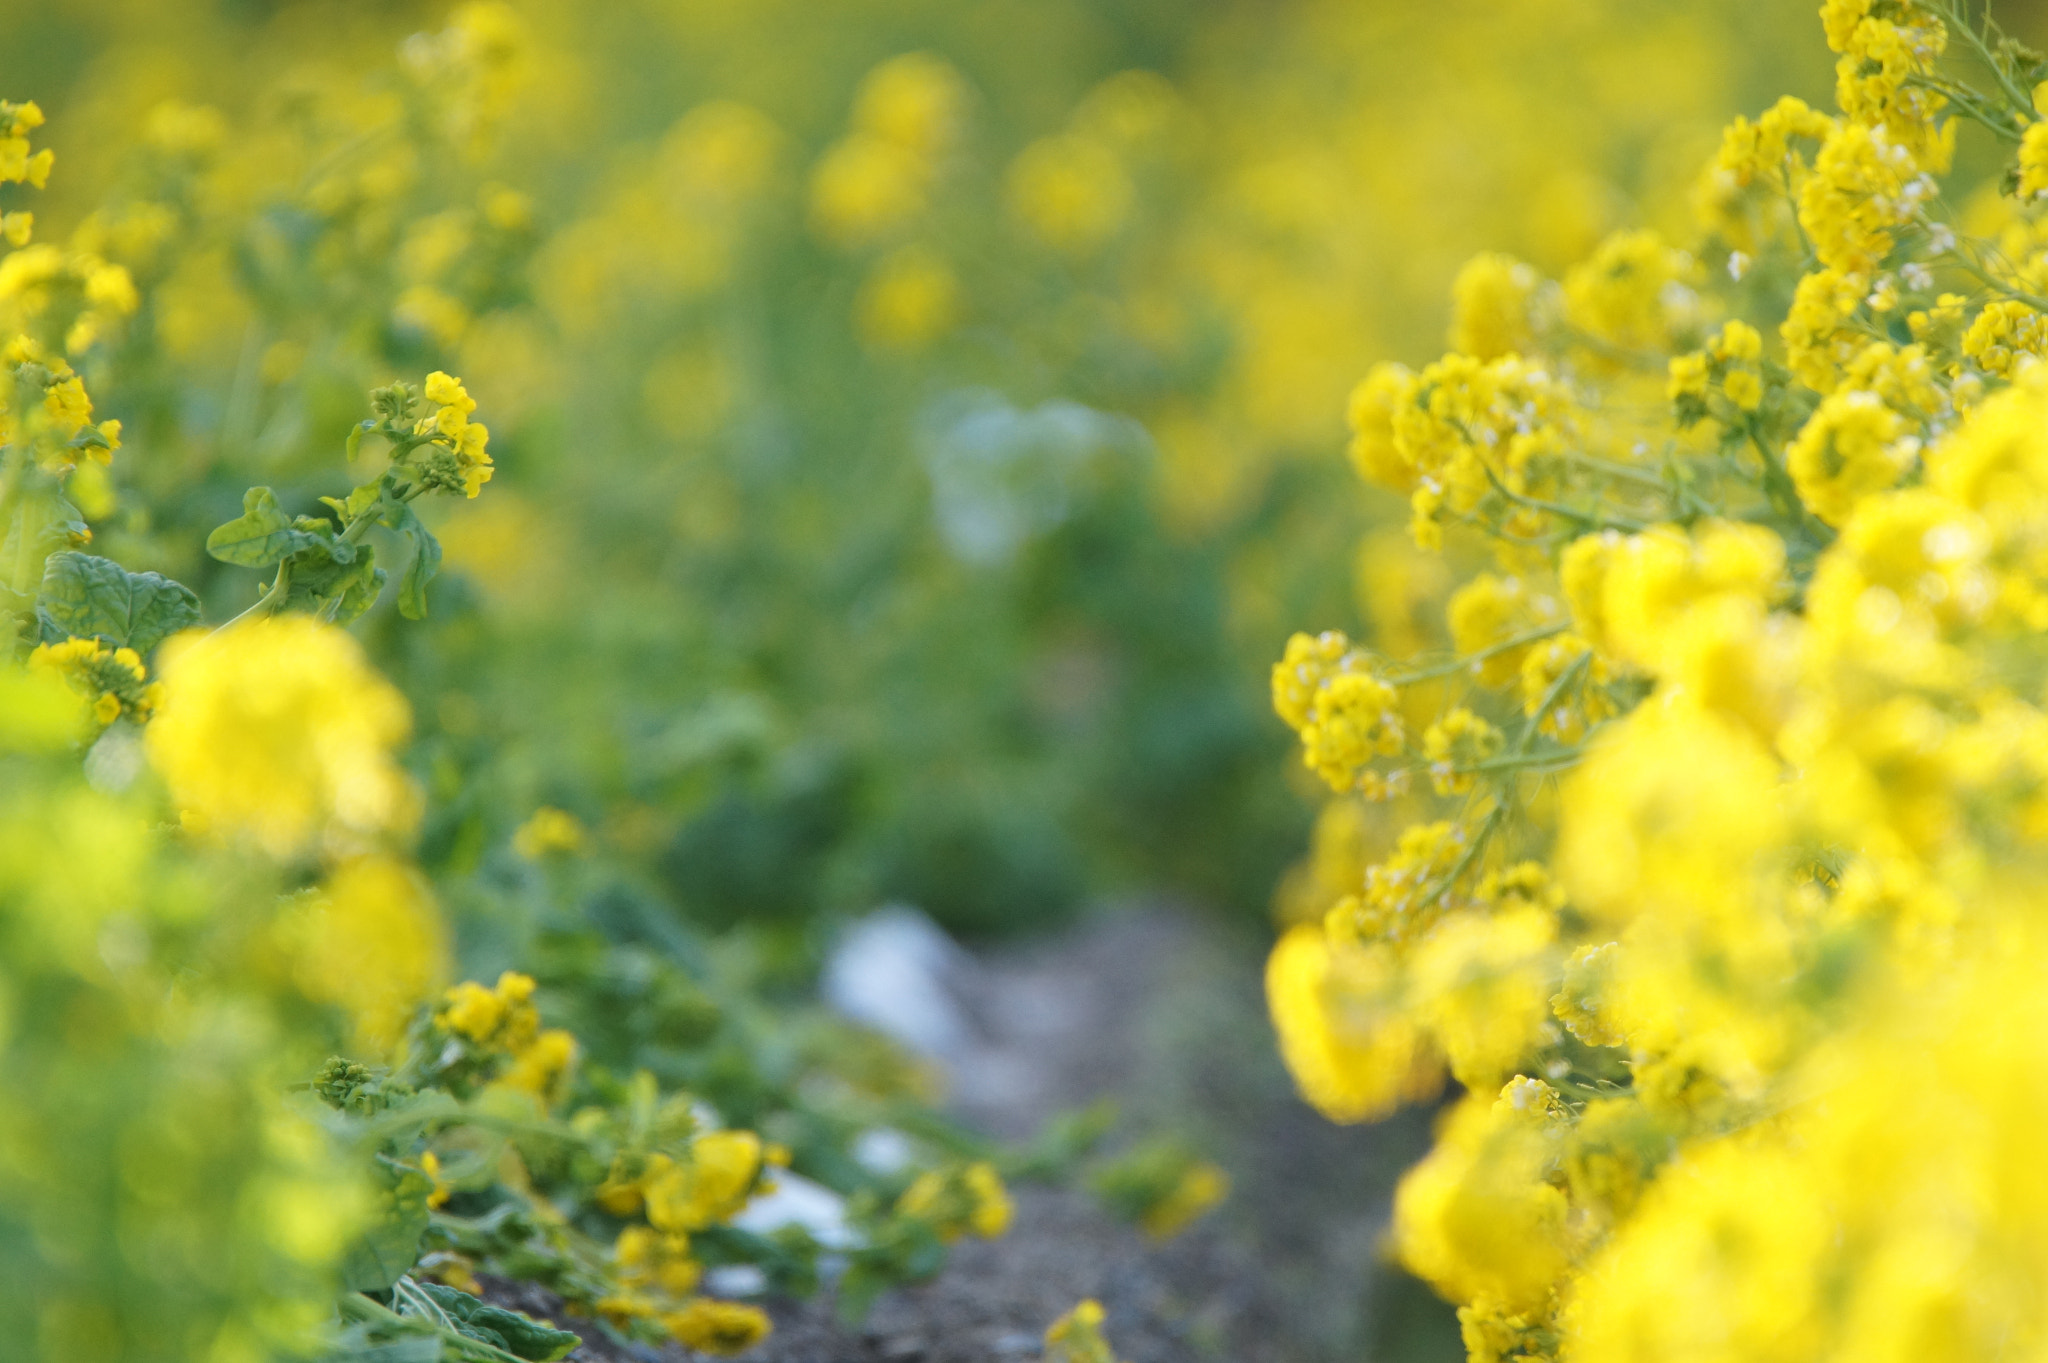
column 1722, row 913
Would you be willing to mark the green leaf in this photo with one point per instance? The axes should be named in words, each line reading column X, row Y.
column 326, row 543
column 41, row 523
column 508, row 1330
column 83, row 595
column 388, row 1247
column 355, row 439
column 858, row 1289
column 260, row 536
column 317, row 582
column 363, row 592
column 358, row 503
column 426, row 560
column 358, row 1345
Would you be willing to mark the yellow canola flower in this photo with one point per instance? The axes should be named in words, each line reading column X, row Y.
column 879, row 177
column 2034, row 160
column 1881, row 78
column 1346, row 715
column 1403, row 894
column 1798, row 871
column 17, row 163
column 1817, row 331
column 450, row 424
column 1076, row 1337
column 1354, row 718
column 1490, row 307
column 1864, row 187
column 1354, row 1053
column 1453, row 744
column 1200, row 1187
column 911, row 299
column 953, row 1201
column 1375, row 449
column 542, row 1068
column 502, row 1017
column 722, row 152
column 1483, row 984
column 1859, row 1225
column 916, row 100
column 864, row 188
column 1630, row 595
column 1487, row 612
column 113, row 680
column 280, row 731
column 718, row 1327
column 2007, row 336
column 549, row 830
column 1634, row 294
column 1569, row 716
column 430, row 1165
column 1479, row 1217
column 1687, row 376
column 1851, row 447
column 992, row 1208
column 1673, row 813
column 657, row 1259
column 1070, row 191
column 1587, row 977
column 1740, row 194
column 371, row 942
column 1309, row 661
column 38, row 710
column 710, row 1186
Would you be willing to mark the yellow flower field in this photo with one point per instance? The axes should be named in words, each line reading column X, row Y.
column 519, row 521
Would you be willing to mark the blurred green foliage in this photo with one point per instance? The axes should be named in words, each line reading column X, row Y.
column 800, row 606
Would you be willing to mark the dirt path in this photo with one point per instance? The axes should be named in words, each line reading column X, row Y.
column 1163, row 1012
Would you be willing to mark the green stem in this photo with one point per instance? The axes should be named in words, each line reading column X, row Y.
column 354, row 531
column 1569, row 757
column 1982, row 276
column 1782, row 492
column 1480, row 836
column 356, row 1306
column 1966, row 102
column 1484, row 833
column 1578, row 669
column 1959, row 18
column 1627, row 473
column 1591, row 520
column 1463, row 661
column 269, row 601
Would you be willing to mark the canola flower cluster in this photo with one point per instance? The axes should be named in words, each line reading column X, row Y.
column 226, row 884
column 1719, row 903
column 1210, row 227
column 194, row 920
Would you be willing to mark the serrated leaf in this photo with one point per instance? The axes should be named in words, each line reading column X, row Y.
column 426, row 561
column 388, row 1247
column 83, row 595
column 260, row 536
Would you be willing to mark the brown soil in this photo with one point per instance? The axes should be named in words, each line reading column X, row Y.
column 1162, row 1011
